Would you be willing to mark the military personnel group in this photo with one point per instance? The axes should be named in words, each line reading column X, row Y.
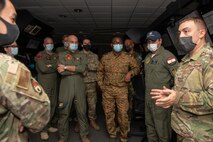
column 178, row 96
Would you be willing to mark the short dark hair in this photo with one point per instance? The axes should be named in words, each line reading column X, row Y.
column 197, row 20
column 118, row 38
column 2, row 4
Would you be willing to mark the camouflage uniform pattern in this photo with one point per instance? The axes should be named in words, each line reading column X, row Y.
column 90, row 82
column 111, row 79
column 192, row 116
column 47, row 77
column 159, row 71
column 72, row 87
column 22, row 101
column 131, row 88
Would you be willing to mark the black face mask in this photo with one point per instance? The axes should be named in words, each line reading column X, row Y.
column 186, row 44
column 127, row 48
column 11, row 35
column 87, row 47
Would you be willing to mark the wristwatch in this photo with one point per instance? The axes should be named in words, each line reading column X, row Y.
column 65, row 67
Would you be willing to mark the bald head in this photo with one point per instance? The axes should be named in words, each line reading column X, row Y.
column 72, row 39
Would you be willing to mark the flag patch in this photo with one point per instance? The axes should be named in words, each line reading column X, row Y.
column 171, row 60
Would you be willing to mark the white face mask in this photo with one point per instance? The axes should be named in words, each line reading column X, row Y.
column 152, row 47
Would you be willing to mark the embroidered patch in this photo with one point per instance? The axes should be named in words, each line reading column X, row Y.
column 13, row 67
column 77, row 58
column 39, row 56
column 171, row 60
column 24, row 78
column 36, row 86
column 68, row 57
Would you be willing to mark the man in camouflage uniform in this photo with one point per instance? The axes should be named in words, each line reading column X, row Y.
column 114, row 74
column 192, row 97
column 129, row 47
column 90, row 82
column 72, row 66
column 160, row 67
column 46, row 66
column 23, row 103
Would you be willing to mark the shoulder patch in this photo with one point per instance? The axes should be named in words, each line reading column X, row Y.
column 36, row 86
column 13, row 67
column 39, row 56
column 23, row 79
column 68, row 57
column 171, row 60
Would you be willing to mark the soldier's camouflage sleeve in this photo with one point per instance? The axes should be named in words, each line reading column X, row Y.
column 201, row 102
column 93, row 65
column 23, row 96
column 81, row 68
column 100, row 73
column 134, row 66
column 42, row 66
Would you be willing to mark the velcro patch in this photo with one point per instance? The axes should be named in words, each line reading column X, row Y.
column 68, row 57
column 13, row 67
column 39, row 56
column 23, row 80
column 171, row 60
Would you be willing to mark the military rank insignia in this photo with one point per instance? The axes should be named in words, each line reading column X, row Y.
column 36, row 86
column 39, row 56
column 171, row 60
column 68, row 57
column 77, row 58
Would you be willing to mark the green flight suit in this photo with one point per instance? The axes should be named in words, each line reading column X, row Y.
column 159, row 71
column 72, row 87
column 47, row 77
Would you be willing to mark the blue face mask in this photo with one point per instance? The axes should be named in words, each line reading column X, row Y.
column 117, row 47
column 49, row 47
column 14, row 51
column 73, row 46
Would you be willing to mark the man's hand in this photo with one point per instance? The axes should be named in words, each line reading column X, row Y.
column 60, row 68
column 164, row 97
column 21, row 127
column 128, row 77
column 71, row 68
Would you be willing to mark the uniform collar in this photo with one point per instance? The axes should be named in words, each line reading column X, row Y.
column 196, row 55
column 117, row 54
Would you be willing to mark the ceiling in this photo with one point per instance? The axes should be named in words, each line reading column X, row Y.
column 97, row 16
